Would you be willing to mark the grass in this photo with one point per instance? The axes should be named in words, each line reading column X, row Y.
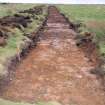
column 15, row 39
column 10, row 9
column 35, row 24
column 84, row 12
column 92, row 16
column 10, row 49
column 6, row 102
column 97, row 27
column 15, row 36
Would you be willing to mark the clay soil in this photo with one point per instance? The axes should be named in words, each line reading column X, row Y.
column 56, row 70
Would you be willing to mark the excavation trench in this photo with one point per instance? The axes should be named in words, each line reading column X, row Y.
column 56, row 70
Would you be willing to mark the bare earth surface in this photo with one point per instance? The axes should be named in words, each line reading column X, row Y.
column 56, row 70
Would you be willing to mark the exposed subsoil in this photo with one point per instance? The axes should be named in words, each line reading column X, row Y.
column 56, row 70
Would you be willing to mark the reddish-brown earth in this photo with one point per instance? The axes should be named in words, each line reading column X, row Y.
column 56, row 70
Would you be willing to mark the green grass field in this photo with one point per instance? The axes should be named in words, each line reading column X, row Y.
column 6, row 102
column 92, row 16
column 10, row 9
column 84, row 12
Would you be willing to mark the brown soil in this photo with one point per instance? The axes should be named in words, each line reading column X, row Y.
column 56, row 70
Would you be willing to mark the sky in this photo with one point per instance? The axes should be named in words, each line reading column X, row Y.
column 57, row 1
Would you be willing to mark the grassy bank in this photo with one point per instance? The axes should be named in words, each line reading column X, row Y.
column 92, row 16
column 10, row 9
column 84, row 12
column 17, row 36
column 6, row 102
